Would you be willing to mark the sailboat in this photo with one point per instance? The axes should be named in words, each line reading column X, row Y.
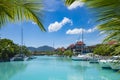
column 80, row 56
column 20, row 56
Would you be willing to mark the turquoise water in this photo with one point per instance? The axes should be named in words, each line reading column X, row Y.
column 55, row 68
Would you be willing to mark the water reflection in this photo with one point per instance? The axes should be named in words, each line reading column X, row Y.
column 86, row 71
column 9, row 69
column 81, row 70
column 109, row 75
column 55, row 68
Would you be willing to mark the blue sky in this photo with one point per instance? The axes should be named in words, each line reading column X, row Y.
column 63, row 25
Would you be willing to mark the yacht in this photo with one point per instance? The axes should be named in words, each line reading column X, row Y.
column 81, row 58
column 94, row 60
column 105, row 63
column 19, row 57
column 31, row 57
column 115, row 64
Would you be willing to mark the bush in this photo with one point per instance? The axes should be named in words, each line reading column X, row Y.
column 68, row 53
column 107, row 50
column 8, row 49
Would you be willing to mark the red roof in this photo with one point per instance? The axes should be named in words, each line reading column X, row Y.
column 80, row 43
column 71, row 46
column 62, row 49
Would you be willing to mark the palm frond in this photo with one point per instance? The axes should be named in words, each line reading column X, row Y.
column 69, row 2
column 113, row 36
column 19, row 10
column 107, row 12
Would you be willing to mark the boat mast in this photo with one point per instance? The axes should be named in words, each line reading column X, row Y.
column 21, row 40
column 53, row 44
column 82, row 42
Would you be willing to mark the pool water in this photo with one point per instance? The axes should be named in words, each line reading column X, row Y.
column 55, row 68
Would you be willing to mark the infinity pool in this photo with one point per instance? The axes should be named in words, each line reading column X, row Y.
column 55, row 68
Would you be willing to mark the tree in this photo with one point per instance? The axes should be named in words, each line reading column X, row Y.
column 26, row 51
column 107, row 50
column 102, row 49
column 59, row 52
column 116, row 51
column 68, row 53
column 8, row 49
column 19, row 10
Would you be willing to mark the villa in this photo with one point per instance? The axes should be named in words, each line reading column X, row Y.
column 80, row 48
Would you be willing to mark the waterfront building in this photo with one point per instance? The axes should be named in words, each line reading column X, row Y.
column 80, row 48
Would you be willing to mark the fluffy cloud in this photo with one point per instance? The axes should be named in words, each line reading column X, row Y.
column 75, row 5
column 90, row 30
column 33, row 23
column 58, row 25
column 80, row 30
column 75, row 31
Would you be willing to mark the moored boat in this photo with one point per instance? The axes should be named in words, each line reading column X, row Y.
column 110, row 63
column 81, row 58
column 105, row 63
column 115, row 64
column 19, row 57
column 31, row 57
column 94, row 60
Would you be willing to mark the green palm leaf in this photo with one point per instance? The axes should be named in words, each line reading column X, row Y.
column 69, row 2
column 19, row 10
column 113, row 36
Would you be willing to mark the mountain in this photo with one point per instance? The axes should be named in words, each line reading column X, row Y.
column 42, row 48
column 32, row 48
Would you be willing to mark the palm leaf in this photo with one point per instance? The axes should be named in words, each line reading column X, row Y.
column 69, row 2
column 113, row 36
column 19, row 10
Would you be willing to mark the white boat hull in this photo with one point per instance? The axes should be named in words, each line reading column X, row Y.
column 104, row 63
column 94, row 60
column 81, row 58
column 115, row 65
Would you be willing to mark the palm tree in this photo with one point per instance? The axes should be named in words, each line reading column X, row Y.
column 107, row 13
column 19, row 10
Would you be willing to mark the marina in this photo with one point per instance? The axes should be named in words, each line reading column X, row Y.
column 59, row 40
column 55, row 68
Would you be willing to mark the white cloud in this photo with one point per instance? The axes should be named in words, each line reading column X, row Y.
column 79, row 30
column 66, row 20
column 75, row 31
column 75, row 5
column 90, row 30
column 58, row 25
column 34, row 23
